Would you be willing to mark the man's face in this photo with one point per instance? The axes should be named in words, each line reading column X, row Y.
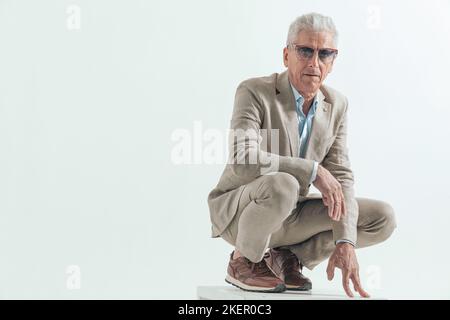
column 307, row 74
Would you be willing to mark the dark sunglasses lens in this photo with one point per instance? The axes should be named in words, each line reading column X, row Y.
column 325, row 54
column 305, row 52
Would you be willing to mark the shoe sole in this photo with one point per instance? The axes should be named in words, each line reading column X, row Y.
column 279, row 288
column 306, row 287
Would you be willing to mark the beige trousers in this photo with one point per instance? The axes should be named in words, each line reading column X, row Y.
column 270, row 216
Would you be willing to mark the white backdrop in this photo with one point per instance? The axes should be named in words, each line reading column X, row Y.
column 92, row 204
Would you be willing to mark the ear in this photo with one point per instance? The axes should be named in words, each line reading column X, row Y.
column 285, row 56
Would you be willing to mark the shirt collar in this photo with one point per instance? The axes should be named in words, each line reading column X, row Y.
column 299, row 100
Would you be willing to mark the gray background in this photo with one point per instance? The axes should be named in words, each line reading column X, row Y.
column 87, row 115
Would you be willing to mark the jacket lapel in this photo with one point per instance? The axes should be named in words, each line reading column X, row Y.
column 286, row 99
column 320, row 123
column 320, row 127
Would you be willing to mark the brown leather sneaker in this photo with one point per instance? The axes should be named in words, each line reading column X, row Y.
column 285, row 265
column 249, row 276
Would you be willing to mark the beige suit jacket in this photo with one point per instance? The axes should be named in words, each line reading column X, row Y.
column 269, row 103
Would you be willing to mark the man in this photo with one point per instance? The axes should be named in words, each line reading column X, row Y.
column 265, row 212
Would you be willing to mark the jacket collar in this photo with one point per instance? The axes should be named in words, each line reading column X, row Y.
column 320, row 124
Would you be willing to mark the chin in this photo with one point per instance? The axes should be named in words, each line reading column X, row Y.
column 311, row 86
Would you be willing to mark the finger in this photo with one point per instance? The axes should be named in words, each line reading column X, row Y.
column 341, row 204
column 331, row 206
column 358, row 287
column 337, row 206
column 346, row 282
column 330, row 269
column 344, row 208
column 326, row 202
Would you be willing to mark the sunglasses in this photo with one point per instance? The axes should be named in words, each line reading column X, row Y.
column 326, row 55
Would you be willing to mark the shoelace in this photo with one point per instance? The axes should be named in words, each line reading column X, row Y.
column 260, row 268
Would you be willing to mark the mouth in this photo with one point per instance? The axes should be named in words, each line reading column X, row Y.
column 311, row 75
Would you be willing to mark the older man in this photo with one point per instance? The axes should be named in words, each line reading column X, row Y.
column 266, row 211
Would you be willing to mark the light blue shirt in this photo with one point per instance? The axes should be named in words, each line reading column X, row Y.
column 305, row 126
column 304, row 132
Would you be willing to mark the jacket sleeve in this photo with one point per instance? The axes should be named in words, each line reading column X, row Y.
column 338, row 164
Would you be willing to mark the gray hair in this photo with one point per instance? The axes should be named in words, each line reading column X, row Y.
column 311, row 22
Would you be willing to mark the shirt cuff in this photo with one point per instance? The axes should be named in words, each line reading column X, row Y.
column 345, row 241
column 314, row 172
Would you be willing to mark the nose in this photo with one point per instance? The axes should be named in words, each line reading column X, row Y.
column 314, row 60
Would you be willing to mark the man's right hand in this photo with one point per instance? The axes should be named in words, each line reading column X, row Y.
column 332, row 194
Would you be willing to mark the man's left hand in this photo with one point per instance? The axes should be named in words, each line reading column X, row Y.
column 344, row 258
